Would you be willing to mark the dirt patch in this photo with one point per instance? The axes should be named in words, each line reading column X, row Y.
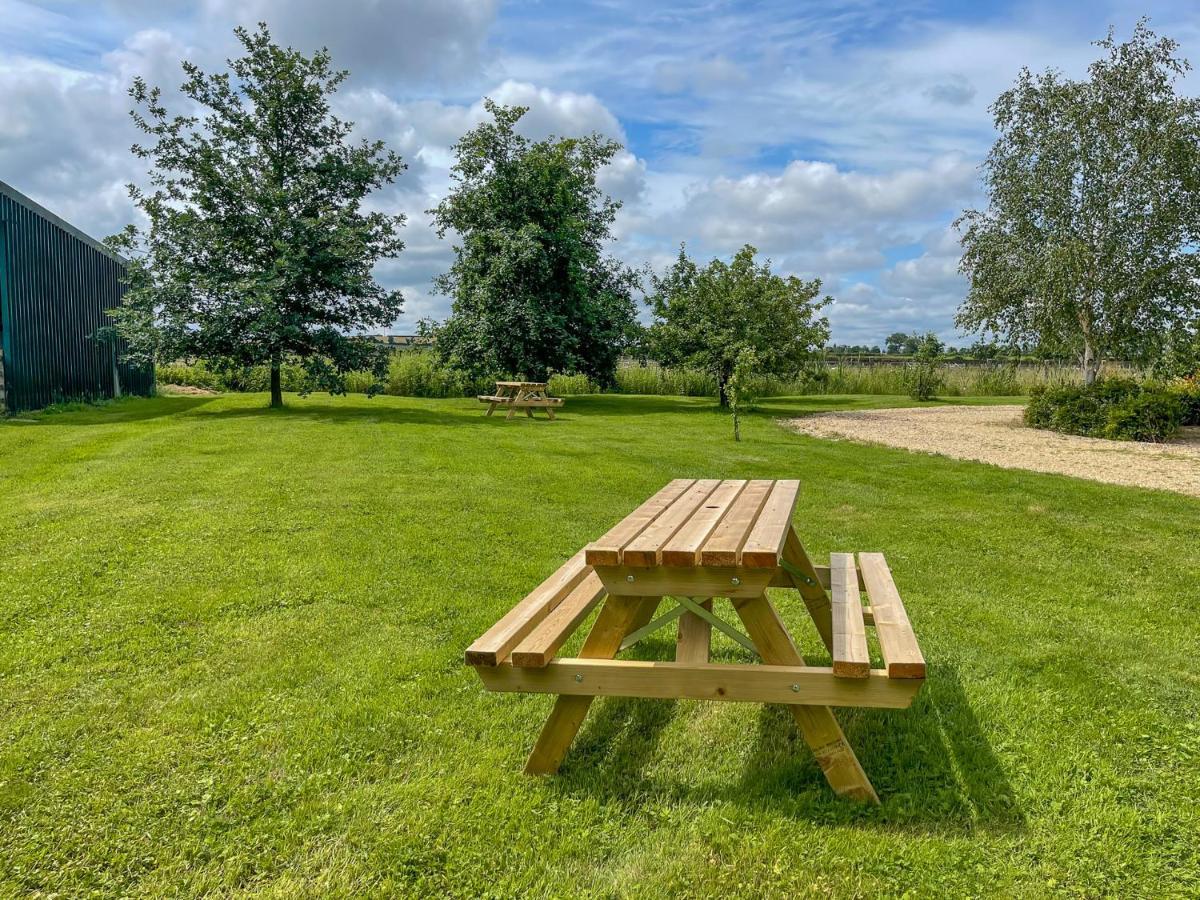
column 185, row 390
column 997, row 435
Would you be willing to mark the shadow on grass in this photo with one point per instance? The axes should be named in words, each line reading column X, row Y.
column 352, row 415
column 639, row 404
column 931, row 764
column 127, row 409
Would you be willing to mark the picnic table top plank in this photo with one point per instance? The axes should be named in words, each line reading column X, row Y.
column 523, row 384
column 644, row 549
column 683, row 549
column 764, row 545
column 722, row 546
column 607, row 550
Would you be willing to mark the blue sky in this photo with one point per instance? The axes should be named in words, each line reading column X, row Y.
column 840, row 139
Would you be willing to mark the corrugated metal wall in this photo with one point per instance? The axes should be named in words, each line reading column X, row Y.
column 56, row 285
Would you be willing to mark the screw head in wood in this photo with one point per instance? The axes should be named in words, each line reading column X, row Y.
column 629, row 578
column 795, row 688
column 579, row 678
column 735, row 581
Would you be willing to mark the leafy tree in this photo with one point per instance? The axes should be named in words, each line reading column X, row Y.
column 1088, row 245
column 533, row 292
column 901, row 343
column 706, row 317
column 922, row 377
column 258, row 247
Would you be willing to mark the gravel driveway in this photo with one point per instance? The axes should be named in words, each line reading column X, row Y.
column 996, row 434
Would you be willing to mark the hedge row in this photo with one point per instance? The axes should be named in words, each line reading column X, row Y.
column 1116, row 408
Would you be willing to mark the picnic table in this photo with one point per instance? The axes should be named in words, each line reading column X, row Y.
column 526, row 395
column 696, row 541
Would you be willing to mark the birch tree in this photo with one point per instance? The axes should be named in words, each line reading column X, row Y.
column 1088, row 246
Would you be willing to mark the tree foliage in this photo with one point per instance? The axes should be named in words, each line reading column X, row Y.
column 705, row 317
column 258, row 246
column 1088, row 245
column 533, row 292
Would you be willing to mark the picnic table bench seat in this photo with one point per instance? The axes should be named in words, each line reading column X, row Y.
column 541, row 401
column 695, row 542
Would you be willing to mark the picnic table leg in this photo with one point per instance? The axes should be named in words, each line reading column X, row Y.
column 618, row 617
column 819, row 728
column 512, row 406
column 694, row 638
column 815, row 597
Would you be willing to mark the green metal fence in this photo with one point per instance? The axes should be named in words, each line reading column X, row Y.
column 56, row 286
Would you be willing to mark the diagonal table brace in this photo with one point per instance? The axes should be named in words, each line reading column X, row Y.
column 686, row 605
column 797, row 573
column 665, row 619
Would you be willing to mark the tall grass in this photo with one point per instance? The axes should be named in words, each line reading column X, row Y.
column 418, row 373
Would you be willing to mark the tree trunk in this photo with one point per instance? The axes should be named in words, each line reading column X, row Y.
column 1091, row 362
column 276, row 385
column 723, row 390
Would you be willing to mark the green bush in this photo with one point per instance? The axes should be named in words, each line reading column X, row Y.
column 1114, row 408
column 923, row 379
column 1188, row 392
column 1153, row 415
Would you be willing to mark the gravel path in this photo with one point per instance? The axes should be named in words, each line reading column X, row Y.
column 996, row 434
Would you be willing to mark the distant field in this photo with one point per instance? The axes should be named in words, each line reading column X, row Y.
column 232, row 664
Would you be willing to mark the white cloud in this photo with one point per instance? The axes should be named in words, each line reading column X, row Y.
column 810, row 200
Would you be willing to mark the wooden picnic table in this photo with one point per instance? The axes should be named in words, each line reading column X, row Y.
column 696, row 541
column 526, row 395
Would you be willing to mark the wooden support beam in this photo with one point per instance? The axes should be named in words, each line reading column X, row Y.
column 618, row 617
column 782, row 579
column 666, row 581
column 819, row 728
column 814, row 687
column 694, row 639
column 809, row 587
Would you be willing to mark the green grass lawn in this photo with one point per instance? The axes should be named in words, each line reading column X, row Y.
column 231, row 663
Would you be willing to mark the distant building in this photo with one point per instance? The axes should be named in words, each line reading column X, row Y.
column 403, row 341
column 56, row 287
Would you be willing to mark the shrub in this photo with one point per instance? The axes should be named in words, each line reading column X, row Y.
column 1152, row 415
column 922, row 380
column 1081, row 414
column 1188, row 392
column 1115, row 408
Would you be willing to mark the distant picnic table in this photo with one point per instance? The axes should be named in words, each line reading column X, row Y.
column 526, row 395
column 695, row 541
